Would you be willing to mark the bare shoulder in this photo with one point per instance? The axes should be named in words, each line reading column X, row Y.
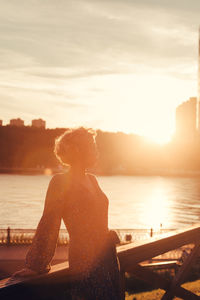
column 57, row 186
column 93, row 178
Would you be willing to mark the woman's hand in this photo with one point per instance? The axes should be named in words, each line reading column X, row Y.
column 24, row 273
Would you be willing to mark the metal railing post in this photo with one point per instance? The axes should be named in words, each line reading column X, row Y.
column 8, row 236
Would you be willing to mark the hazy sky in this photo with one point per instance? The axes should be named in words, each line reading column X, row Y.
column 115, row 64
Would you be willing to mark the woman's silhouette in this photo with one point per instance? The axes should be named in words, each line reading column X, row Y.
column 77, row 198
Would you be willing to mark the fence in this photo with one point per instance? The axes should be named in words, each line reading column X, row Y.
column 11, row 236
column 56, row 283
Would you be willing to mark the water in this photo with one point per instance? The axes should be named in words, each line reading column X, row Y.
column 135, row 201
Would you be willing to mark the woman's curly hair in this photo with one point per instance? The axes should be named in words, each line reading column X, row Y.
column 76, row 144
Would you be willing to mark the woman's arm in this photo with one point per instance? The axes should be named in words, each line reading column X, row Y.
column 44, row 242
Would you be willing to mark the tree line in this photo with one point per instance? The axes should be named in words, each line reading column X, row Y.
column 119, row 153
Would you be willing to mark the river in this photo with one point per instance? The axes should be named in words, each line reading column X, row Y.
column 134, row 201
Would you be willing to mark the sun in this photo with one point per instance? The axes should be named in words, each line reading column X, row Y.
column 159, row 138
column 159, row 133
column 157, row 129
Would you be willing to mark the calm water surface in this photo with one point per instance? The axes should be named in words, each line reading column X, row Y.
column 135, row 201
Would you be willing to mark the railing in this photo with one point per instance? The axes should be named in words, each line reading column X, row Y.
column 10, row 236
column 56, row 283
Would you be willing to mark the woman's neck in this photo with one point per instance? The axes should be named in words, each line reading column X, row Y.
column 78, row 172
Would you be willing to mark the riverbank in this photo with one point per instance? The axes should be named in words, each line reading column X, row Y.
column 117, row 172
column 30, row 171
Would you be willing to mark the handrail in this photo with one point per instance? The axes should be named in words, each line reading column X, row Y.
column 38, row 287
column 130, row 255
column 137, row 252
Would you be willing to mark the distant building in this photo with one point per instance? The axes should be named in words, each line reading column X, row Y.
column 39, row 123
column 198, row 99
column 186, row 118
column 1, row 122
column 16, row 122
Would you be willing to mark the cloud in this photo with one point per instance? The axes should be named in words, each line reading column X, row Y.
column 75, row 56
column 98, row 35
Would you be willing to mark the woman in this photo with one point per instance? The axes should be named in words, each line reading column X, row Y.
column 77, row 198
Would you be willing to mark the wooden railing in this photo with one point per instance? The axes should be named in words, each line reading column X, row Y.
column 131, row 256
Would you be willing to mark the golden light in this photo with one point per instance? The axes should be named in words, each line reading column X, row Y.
column 156, row 212
column 144, row 105
column 48, row 172
column 159, row 137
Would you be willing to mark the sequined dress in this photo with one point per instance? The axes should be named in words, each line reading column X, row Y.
column 92, row 252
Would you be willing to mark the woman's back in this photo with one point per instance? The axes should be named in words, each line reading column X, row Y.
column 85, row 215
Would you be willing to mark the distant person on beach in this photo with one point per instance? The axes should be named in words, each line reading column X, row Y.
column 77, row 198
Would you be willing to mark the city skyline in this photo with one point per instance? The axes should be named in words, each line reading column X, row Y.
column 186, row 115
column 108, row 65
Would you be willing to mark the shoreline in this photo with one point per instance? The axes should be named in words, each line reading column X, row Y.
column 52, row 171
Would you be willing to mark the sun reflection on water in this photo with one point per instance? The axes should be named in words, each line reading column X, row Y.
column 156, row 212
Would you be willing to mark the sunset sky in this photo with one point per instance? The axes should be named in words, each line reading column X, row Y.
column 116, row 65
